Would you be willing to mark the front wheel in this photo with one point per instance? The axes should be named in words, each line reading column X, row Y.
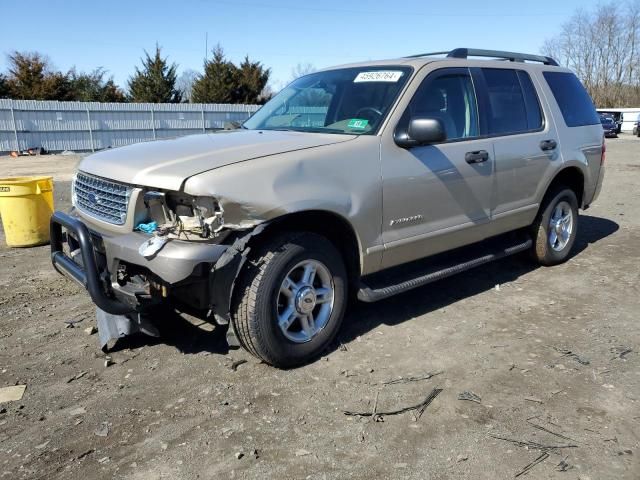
column 290, row 299
column 556, row 227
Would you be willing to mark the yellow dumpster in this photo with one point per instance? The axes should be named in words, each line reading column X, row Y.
column 26, row 205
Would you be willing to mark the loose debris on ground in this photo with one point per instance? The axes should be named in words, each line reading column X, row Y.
column 12, row 394
column 563, row 466
column 77, row 377
column 469, row 396
column 234, row 366
column 411, row 379
column 532, row 445
column 419, row 408
column 620, row 352
column 568, row 353
column 533, row 399
column 102, row 430
column 544, row 429
column 541, row 458
column 545, row 450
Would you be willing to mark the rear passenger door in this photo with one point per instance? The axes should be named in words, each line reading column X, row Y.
column 526, row 143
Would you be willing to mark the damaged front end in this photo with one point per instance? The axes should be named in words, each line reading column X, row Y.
column 180, row 254
column 181, row 216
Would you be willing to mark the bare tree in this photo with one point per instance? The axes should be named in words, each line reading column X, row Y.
column 185, row 83
column 301, row 69
column 603, row 47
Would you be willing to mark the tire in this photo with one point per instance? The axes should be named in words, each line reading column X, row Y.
column 553, row 247
column 262, row 298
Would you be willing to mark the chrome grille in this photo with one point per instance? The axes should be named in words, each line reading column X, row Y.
column 101, row 198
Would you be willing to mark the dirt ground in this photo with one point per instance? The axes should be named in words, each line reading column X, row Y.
column 60, row 167
column 552, row 353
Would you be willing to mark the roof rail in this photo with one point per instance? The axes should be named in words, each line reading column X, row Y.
column 474, row 52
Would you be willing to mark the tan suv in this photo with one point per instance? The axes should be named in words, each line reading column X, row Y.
column 368, row 179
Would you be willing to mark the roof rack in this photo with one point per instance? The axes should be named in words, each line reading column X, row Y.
column 474, row 52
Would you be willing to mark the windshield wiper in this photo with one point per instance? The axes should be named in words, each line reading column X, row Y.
column 307, row 129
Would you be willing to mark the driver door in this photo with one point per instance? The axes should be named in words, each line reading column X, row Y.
column 437, row 197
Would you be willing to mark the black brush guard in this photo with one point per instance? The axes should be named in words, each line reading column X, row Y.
column 86, row 275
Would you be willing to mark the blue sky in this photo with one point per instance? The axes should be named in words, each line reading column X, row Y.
column 279, row 33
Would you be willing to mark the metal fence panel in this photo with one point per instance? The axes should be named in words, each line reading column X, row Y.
column 82, row 126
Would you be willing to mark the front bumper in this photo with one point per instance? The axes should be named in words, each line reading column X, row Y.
column 86, row 274
column 96, row 268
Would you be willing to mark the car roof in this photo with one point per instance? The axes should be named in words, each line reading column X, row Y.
column 418, row 63
column 470, row 57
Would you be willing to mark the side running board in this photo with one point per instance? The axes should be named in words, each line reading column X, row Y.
column 439, row 271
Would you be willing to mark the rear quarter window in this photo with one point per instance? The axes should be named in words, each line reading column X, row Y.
column 513, row 105
column 572, row 98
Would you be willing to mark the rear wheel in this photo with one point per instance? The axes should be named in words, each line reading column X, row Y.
column 290, row 299
column 556, row 227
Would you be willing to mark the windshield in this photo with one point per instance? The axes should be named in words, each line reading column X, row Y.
column 606, row 120
column 351, row 101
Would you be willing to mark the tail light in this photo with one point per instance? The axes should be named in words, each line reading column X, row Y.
column 604, row 152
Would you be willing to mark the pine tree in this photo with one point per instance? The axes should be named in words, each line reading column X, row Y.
column 252, row 78
column 156, row 82
column 92, row 87
column 218, row 82
column 32, row 78
column 4, row 87
column 112, row 93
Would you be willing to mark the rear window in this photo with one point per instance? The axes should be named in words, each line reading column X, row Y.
column 574, row 101
column 513, row 102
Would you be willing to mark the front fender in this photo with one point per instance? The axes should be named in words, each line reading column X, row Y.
column 343, row 179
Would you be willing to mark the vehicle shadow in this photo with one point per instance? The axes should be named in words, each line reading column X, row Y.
column 187, row 335
column 363, row 317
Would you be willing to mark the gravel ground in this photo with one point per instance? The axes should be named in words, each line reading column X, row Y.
column 542, row 348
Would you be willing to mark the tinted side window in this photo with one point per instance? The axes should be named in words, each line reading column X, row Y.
column 450, row 98
column 574, row 101
column 508, row 112
column 531, row 101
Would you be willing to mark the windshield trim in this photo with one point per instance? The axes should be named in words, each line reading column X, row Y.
column 410, row 71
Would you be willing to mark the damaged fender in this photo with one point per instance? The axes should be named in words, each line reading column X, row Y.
column 224, row 274
column 292, row 182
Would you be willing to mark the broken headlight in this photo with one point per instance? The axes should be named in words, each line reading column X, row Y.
column 184, row 216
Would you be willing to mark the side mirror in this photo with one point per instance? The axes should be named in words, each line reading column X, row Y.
column 421, row 131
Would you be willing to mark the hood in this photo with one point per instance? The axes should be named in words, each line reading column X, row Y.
column 166, row 164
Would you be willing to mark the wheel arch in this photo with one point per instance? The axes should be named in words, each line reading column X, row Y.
column 330, row 225
column 572, row 177
column 337, row 229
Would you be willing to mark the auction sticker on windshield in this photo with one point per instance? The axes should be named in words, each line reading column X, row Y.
column 358, row 123
column 378, row 76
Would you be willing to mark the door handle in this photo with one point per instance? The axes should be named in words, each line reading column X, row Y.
column 476, row 157
column 547, row 145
